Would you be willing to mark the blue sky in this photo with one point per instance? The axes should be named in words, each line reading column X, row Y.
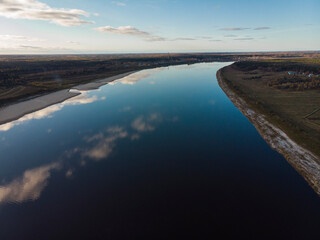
column 99, row 26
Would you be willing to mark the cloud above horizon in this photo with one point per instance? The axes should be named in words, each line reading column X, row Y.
column 36, row 10
column 234, row 29
column 123, row 30
column 244, row 39
column 120, row 4
column 230, row 35
column 183, row 39
column 131, row 31
column 18, row 38
column 261, row 28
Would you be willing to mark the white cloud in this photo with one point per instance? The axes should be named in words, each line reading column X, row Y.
column 13, row 46
column 233, row 29
column 205, row 37
column 35, row 10
column 73, row 42
column 230, row 35
column 17, row 38
column 261, row 28
column 30, row 47
column 131, row 31
column 20, row 42
column 183, row 39
column 156, row 39
column 123, row 30
column 120, row 4
column 244, row 39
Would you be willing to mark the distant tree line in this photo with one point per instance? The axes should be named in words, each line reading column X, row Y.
column 305, row 72
column 310, row 66
column 42, row 71
column 295, row 82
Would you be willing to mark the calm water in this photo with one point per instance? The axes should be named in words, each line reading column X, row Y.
column 160, row 154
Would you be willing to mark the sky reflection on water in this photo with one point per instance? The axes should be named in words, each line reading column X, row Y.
column 99, row 146
column 162, row 149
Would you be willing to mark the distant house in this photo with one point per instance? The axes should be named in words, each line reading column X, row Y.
column 292, row 73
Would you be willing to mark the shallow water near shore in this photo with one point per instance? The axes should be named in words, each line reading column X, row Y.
column 159, row 153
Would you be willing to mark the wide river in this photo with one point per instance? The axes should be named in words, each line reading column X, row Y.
column 159, row 154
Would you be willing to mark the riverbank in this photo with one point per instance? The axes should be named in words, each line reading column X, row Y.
column 17, row 110
column 305, row 162
column 24, row 76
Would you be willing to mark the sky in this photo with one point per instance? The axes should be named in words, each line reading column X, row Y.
column 145, row 26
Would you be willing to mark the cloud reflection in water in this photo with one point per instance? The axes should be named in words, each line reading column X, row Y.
column 47, row 112
column 99, row 146
column 136, row 77
column 145, row 124
column 104, row 143
column 29, row 186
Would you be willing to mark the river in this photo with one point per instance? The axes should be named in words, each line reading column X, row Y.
column 159, row 153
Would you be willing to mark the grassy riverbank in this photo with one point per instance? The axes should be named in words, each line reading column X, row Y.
column 292, row 109
column 23, row 76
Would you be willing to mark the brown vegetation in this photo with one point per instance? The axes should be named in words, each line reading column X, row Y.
column 299, row 83
column 24, row 76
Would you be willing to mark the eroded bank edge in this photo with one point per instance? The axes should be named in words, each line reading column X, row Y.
column 305, row 162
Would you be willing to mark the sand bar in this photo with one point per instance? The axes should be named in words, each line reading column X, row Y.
column 17, row 110
column 98, row 83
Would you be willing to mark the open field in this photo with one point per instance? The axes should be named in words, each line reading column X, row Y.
column 294, row 111
column 23, row 76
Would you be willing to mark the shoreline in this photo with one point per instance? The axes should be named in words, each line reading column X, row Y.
column 301, row 159
column 17, row 110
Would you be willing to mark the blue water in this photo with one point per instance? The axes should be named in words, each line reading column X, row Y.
column 160, row 154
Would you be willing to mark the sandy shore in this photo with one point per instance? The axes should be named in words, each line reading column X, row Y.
column 305, row 162
column 18, row 110
column 101, row 82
